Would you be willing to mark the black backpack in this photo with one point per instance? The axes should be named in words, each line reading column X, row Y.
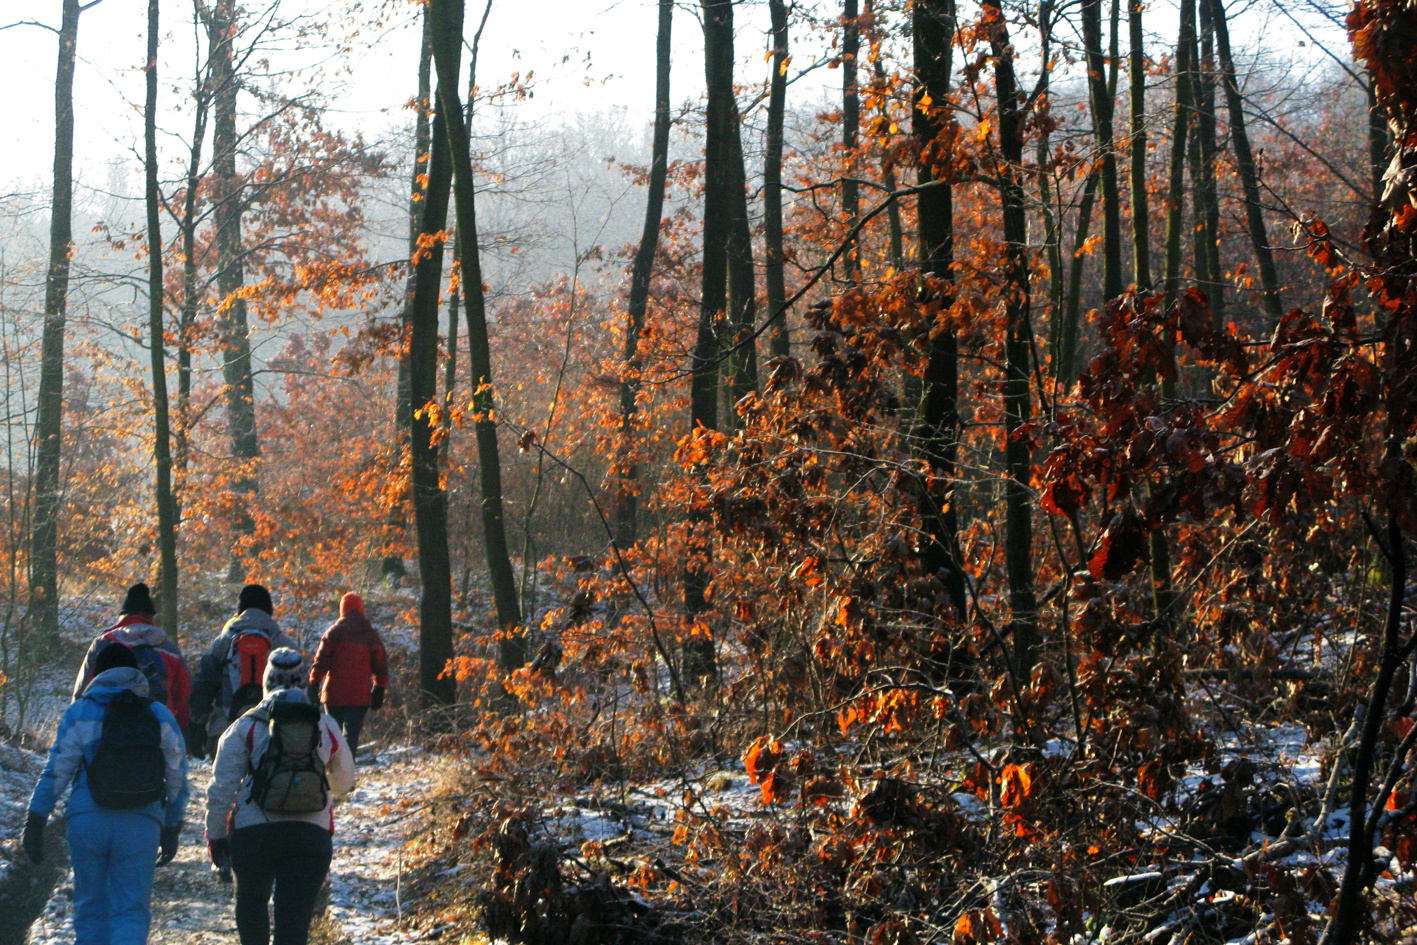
column 128, row 768
column 289, row 777
column 152, row 664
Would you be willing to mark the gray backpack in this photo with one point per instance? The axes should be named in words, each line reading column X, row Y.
column 289, row 777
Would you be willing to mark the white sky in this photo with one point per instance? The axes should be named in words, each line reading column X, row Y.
column 588, row 55
column 605, row 43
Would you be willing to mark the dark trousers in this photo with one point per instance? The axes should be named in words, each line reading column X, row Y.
column 291, row 857
column 351, row 720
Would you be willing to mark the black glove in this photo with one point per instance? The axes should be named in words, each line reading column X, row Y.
column 376, row 698
column 167, row 846
column 197, row 739
column 220, row 852
column 34, row 836
column 313, row 691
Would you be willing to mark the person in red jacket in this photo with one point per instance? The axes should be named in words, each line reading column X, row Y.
column 351, row 669
column 158, row 655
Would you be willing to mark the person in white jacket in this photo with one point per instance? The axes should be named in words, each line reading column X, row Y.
column 273, row 850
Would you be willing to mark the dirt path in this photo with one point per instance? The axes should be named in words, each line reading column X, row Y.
column 191, row 906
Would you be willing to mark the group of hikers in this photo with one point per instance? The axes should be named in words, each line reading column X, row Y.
column 278, row 763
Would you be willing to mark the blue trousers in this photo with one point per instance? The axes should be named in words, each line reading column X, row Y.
column 113, row 853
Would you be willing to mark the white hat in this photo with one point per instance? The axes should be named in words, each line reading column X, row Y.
column 285, row 669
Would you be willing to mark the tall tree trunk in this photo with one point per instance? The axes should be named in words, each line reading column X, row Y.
column 938, row 422
column 1072, row 305
column 641, row 274
column 1043, row 154
column 235, row 332
column 162, row 452
column 742, row 283
column 191, row 285
column 1162, row 589
column 1182, row 112
column 421, row 167
column 850, row 130
column 1349, row 910
column 447, row 48
column 396, row 524
column 715, row 306
column 49, row 418
column 779, row 344
column 1245, row 165
column 430, row 509
column 1207, row 194
column 1101, row 99
column 1141, row 239
column 1018, row 539
column 893, row 219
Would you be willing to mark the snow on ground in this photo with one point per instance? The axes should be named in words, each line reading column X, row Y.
column 372, row 825
column 192, row 905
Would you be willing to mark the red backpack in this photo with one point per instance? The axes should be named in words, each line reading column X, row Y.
column 245, row 668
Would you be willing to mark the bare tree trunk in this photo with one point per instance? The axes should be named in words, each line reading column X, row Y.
column 1043, row 155
column 421, row 167
column 1348, row 908
column 396, row 524
column 641, row 274
column 235, row 332
column 1207, row 194
column 1141, row 238
column 1018, row 540
column 1101, row 99
column 850, row 131
column 893, row 221
column 162, row 452
column 717, row 302
column 1162, row 589
column 1068, row 335
column 191, row 283
column 49, row 419
column 435, row 636
column 779, row 344
column 1175, row 176
column 938, row 423
column 1245, row 165
column 742, row 282
column 447, row 47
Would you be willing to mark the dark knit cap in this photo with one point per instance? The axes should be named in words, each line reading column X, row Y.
column 113, row 656
column 255, row 595
column 138, row 600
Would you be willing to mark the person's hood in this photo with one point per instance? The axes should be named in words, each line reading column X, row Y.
column 139, row 633
column 284, row 695
column 352, row 623
column 103, row 686
column 252, row 618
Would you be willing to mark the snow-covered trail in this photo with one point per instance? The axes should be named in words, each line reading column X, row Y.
column 191, row 906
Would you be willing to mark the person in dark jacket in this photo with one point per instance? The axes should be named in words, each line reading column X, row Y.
column 113, row 851
column 219, row 674
column 159, row 656
column 351, row 669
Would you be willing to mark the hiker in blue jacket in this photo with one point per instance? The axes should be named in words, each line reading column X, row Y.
column 113, row 851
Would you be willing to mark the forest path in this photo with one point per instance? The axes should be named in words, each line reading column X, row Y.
column 191, row 906
column 189, row 903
